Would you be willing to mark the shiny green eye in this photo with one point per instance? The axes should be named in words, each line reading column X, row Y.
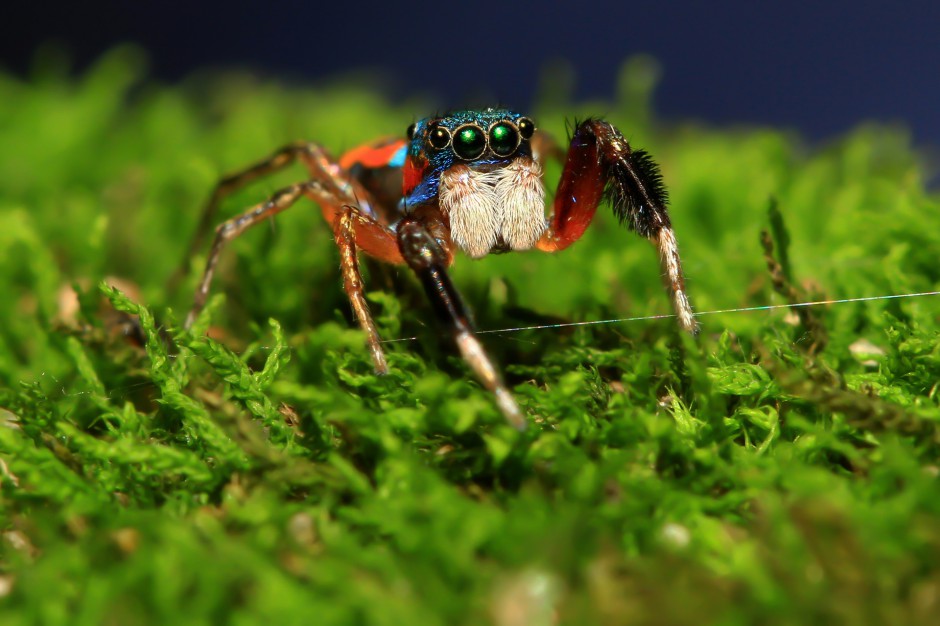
column 469, row 142
column 438, row 137
column 503, row 139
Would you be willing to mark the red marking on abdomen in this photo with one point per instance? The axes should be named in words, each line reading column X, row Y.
column 371, row 155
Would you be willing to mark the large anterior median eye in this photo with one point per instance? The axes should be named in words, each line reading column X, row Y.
column 504, row 139
column 469, row 142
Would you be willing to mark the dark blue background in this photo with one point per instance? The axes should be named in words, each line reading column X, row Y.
column 818, row 69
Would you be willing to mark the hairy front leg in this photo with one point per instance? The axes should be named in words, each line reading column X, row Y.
column 601, row 163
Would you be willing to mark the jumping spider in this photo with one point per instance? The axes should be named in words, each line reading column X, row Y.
column 468, row 180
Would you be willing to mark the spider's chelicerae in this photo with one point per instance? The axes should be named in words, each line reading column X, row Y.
column 468, row 180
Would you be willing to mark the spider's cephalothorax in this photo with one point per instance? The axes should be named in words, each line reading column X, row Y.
column 468, row 180
column 478, row 167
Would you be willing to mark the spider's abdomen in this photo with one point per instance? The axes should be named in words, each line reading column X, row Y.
column 501, row 208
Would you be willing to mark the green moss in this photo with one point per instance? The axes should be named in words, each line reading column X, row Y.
column 769, row 472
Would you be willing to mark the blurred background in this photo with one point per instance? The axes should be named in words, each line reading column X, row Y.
column 817, row 69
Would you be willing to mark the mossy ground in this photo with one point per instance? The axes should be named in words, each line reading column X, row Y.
column 769, row 472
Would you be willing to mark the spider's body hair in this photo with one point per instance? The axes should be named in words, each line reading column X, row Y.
column 501, row 208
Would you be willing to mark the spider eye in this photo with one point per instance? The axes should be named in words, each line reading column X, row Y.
column 439, row 137
column 503, row 139
column 469, row 142
column 410, row 132
column 526, row 127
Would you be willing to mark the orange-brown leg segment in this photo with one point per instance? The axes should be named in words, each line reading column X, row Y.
column 545, row 147
column 428, row 260
column 344, row 232
column 600, row 162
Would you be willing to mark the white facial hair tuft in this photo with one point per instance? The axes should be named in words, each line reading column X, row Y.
column 506, row 204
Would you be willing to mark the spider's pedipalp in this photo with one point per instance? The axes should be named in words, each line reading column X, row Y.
column 522, row 200
column 502, row 208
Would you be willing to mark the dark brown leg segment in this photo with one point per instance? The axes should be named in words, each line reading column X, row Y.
column 429, row 261
column 345, row 235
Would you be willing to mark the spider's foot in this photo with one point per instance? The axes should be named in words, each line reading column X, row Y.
column 473, row 353
column 378, row 359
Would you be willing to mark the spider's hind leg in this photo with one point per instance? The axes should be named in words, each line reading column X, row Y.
column 314, row 157
column 226, row 186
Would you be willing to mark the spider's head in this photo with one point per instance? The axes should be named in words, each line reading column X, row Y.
column 477, row 137
column 478, row 166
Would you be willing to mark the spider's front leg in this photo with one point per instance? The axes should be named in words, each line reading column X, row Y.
column 429, row 261
column 600, row 162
